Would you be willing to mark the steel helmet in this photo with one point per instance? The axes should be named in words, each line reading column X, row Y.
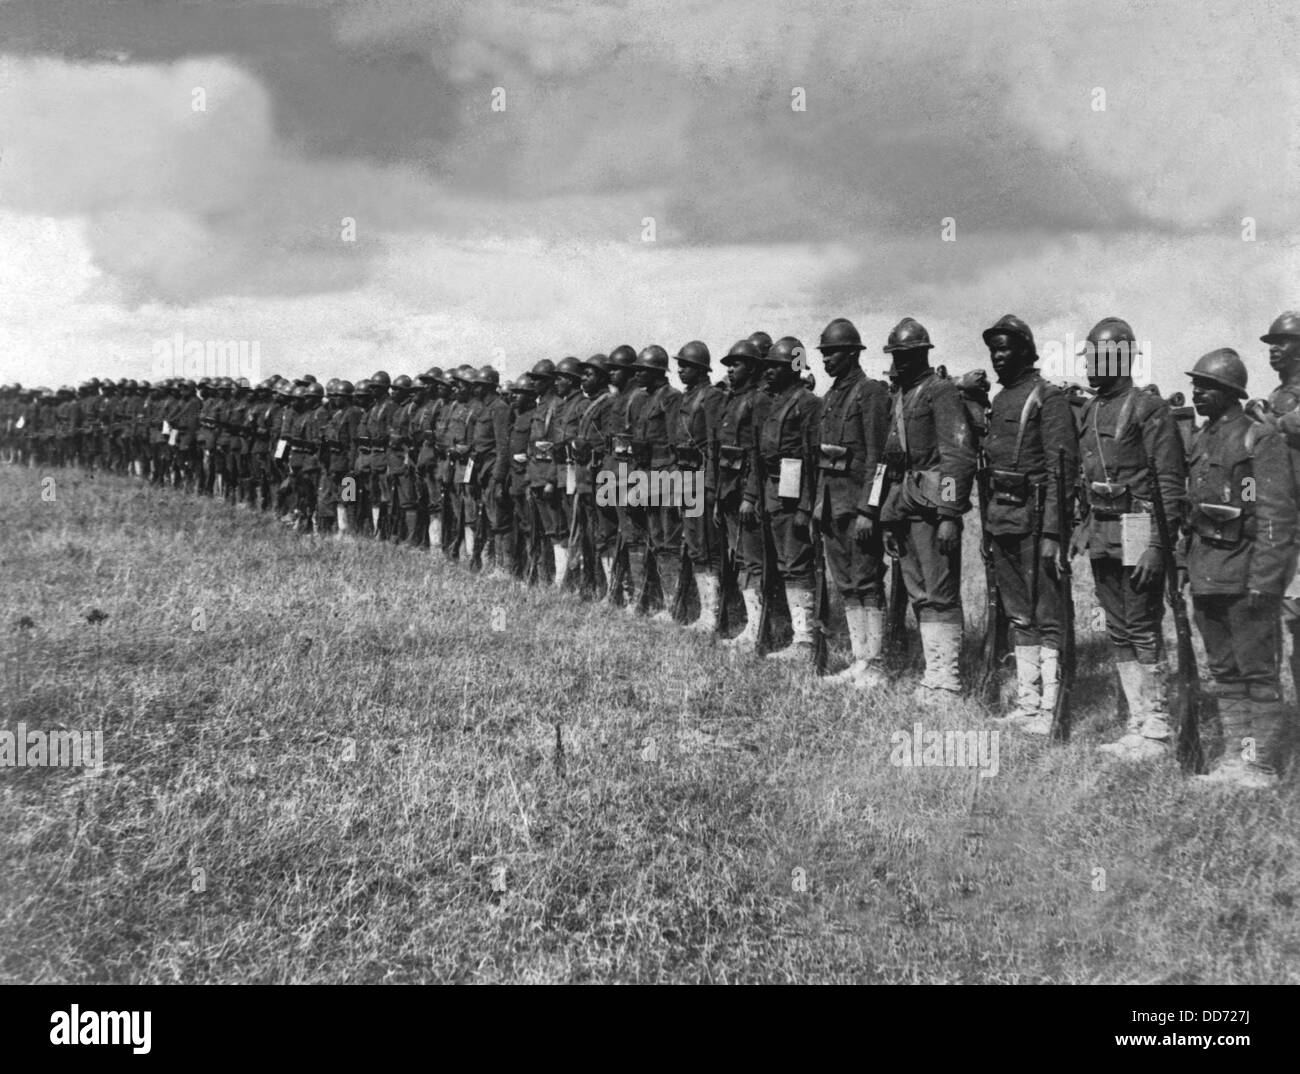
column 524, row 386
column 1011, row 325
column 840, row 335
column 695, row 353
column 332, row 388
column 652, row 357
column 908, row 335
column 1285, row 326
column 596, row 361
column 743, row 350
column 762, row 341
column 242, row 382
column 1223, row 367
column 313, row 390
column 569, row 367
column 363, row 387
column 788, row 351
column 545, row 368
column 343, row 388
column 622, row 355
column 431, row 376
column 1112, row 330
column 402, row 384
column 380, row 380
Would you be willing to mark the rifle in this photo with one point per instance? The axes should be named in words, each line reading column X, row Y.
column 617, row 581
column 896, row 617
column 480, row 531
column 590, row 559
column 1064, row 582
column 726, row 582
column 1185, row 690
column 769, row 571
column 821, row 591
column 994, row 648
column 651, row 596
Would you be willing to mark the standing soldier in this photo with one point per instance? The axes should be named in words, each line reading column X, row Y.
column 308, row 432
column 376, row 431
column 743, row 412
column 851, row 443
column 568, row 385
column 524, row 398
column 237, row 451
column 543, row 492
column 587, row 449
column 206, row 438
column 363, row 398
column 424, row 426
column 338, row 488
column 1283, row 339
column 930, row 466
column 786, row 451
column 456, row 435
column 185, row 424
column 489, row 445
column 401, row 478
column 221, row 446
column 1029, row 420
column 696, row 423
column 1122, row 426
column 652, row 441
column 619, row 460
column 1240, row 552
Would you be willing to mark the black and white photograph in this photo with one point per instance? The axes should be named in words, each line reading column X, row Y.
column 650, row 492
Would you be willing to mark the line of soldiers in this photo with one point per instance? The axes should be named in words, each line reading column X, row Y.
column 599, row 477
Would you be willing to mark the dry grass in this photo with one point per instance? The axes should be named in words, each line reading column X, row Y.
column 354, row 764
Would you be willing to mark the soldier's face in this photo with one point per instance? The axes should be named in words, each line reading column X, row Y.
column 1285, row 355
column 740, row 375
column 778, row 377
column 618, row 377
column 646, row 379
column 838, row 362
column 1008, row 355
column 689, row 375
column 564, row 386
column 1209, row 399
column 593, row 381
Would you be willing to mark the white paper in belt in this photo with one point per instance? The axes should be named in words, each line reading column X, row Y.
column 1134, row 537
column 788, row 486
column 280, row 445
column 570, row 479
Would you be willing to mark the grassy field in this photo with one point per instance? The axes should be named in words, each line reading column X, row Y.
column 368, row 766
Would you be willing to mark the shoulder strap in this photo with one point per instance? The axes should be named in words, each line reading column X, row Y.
column 1033, row 401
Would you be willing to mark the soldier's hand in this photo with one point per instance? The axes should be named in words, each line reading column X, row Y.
column 949, row 537
column 1052, row 560
column 864, row 529
column 892, row 547
column 748, row 513
column 1182, row 578
column 1149, row 570
column 1078, row 542
column 548, row 488
column 802, row 520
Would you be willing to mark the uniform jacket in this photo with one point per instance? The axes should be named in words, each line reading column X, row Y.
column 855, row 416
column 788, row 431
column 739, row 418
column 939, row 451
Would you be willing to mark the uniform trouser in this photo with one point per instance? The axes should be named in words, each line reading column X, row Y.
column 404, row 488
column 745, row 540
column 794, row 550
column 699, row 533
column 857, row 571
column 1133, row 620
column 1241, row 646
column 550, row 508
column 1291, row 621
column 932, row 580
column 305, row 477
column 500, row 516
column 1013, row 565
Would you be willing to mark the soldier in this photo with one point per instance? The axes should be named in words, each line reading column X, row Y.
column 425, row 425
column 487, row 497
column 786, row 451
column 619, row 460
column 306, row 437
column 336, row 493
column 363, row 398
column 374, row 428
column 403, row 490
column 587, row 449
column 206, row 438
column 1029, row 420
column 696, row 424
column 568, row 385
column 546, row 512
column 221, row 451
column 278, row 454
column 1283, row 339
column 1121, row 426
column 264, row 412
column 657, row 523
column 456, row 436
column 184, row 420
column 762, row 341
column 851, row 444
column 930, row 466
column 1239, row 554
column 523, row 400
column 744, row 410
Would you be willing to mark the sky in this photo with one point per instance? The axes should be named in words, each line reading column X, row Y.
column 331, row 182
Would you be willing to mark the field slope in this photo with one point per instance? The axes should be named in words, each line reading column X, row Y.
column 338, row 762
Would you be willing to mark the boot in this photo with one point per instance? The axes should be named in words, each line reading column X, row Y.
column 374, row 522
column 341, row 520
column 708, row 586
column 670, row 571
column 1029, row 698
column 561, row 566
column 1264, row 762
column 435, row 532
column 748, row 638
column 866, row 640
column 413, row 529
column 941, row 684
column 1146, row 736
column 1235, row 716
column 607, row 565
column 1049, row 668
column 800, row 648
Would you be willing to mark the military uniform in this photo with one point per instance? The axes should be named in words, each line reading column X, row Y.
column 489, row 444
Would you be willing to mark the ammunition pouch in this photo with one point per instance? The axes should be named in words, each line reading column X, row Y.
column 1009, row 487
column 1221, row 525
column 688, row 456
column 460, row 452
column 731, row 457
column 621, row 447
column 580, row 451
column 833, row 458
column 641, row 453
column 543, row 451
column 1109, row 499
column 895, row 466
